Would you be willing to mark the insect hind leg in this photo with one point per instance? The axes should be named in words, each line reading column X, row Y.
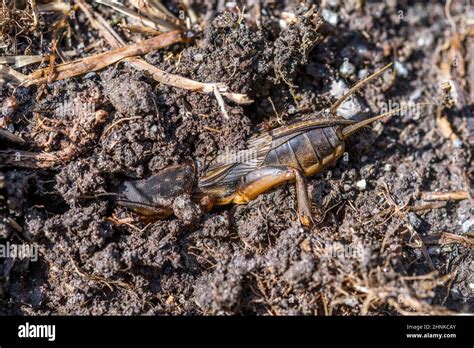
column 266, row 178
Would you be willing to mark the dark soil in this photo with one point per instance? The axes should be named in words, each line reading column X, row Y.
column 367, row 253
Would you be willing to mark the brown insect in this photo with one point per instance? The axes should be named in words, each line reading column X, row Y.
column 282, row 155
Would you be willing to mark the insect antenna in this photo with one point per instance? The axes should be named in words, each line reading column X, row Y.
column 106, row 195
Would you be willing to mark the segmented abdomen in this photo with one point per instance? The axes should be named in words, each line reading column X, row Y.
column 309, row 151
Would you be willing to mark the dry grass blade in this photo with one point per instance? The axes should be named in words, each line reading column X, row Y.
column 102, row 60
column 140, row 29
column 449, row 238
column 7, row 74
column 155, row 23
column 157, row 6
column 10, row 136
column 33, row 160
column 54, row 7
column 193, row 18
column 20, row 61
column 155, row 9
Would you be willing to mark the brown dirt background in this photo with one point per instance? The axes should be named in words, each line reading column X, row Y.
column 255, row 258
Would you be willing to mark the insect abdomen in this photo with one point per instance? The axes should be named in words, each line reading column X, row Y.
column 309, row 152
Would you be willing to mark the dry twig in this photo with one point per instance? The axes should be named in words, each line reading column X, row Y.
column 445, row 196
column 102, row 60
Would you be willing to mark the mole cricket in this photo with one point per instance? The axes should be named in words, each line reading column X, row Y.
column 286, row 154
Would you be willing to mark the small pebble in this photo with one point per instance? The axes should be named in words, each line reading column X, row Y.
column 330, row 16
column 387, row 167
column 362, row 74
column 433, row 250
column 457, row 143
column 346, row 187
column 416, row 94
column 361, row 184
column 471, row 286
column 467, row 226
column 425, row 40
column 231, row 4
column 362, row 51
column 333, row 3
column 352, row 106
column 347, row 69
column 198, row 57
column 351, row 174
column 400, row 69
column 283, row 24
column 415, row 221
